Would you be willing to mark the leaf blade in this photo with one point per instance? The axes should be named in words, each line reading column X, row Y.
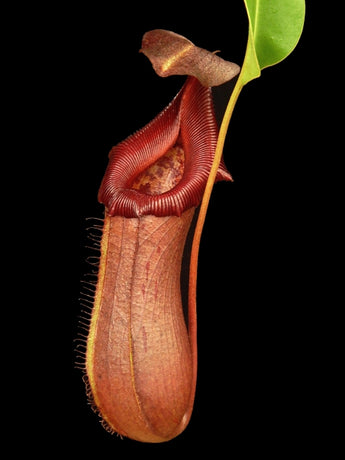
column 275, row 27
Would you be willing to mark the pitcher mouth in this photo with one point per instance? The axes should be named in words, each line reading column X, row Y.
column 187, row 125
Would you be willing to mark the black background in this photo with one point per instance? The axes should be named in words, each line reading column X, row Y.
column 255, row 327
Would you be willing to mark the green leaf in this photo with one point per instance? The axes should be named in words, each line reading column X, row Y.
column 275, row 27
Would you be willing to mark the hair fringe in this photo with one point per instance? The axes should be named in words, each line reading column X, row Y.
column 88, row 285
